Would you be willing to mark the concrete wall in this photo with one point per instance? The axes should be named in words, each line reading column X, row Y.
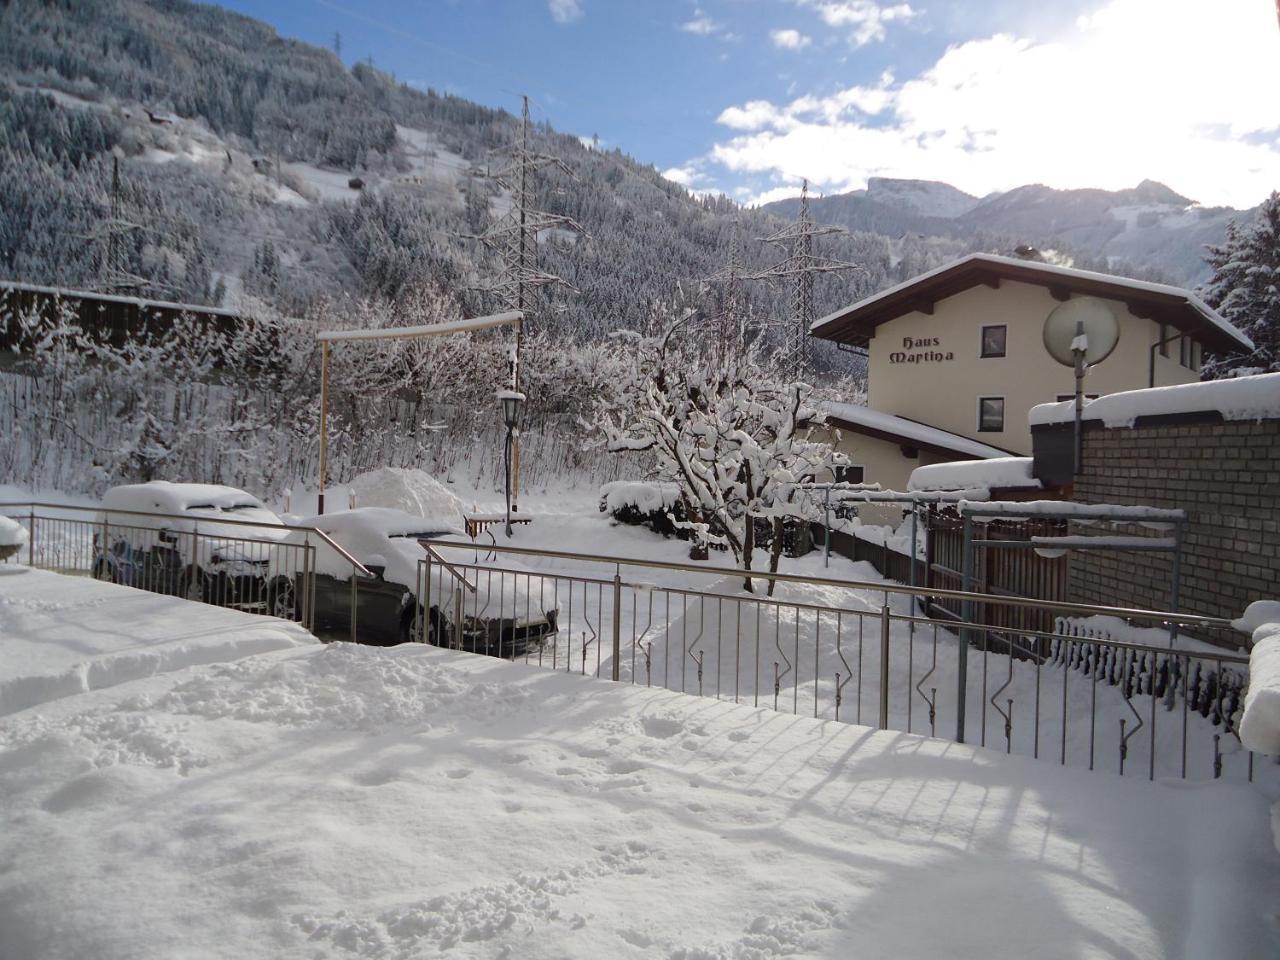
column 943, row 391
column 1225, row 475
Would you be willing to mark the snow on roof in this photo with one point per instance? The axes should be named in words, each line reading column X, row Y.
column 1067, row 273
column 1242, row 398
column 856, row 415
column 1000, row 473
column 1068, row 509
column 165, row 496
column 115, row 298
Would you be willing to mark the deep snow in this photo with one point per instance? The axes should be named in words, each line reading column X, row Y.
column 344, row 801
column 64, row 635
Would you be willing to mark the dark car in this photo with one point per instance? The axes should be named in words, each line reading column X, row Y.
column 168, row 537
column 501, row 614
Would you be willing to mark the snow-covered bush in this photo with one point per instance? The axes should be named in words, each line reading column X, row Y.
column 13, row 535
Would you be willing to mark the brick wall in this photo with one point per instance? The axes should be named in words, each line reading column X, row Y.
column 1226, row 475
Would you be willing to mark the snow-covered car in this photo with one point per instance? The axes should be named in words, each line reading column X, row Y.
column 500, row 615
column 174, row 538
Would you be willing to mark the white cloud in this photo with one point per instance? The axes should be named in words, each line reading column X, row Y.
column 1138, row 89
column 789, row 39
column 701, row 24
column 866, row 17
column 685, row 176
column 565, row 11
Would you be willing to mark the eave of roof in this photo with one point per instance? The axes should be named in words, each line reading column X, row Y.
column 900, row 430
column 116, row 298
column 1181, row 309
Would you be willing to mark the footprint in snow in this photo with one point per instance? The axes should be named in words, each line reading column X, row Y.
column 661, row 728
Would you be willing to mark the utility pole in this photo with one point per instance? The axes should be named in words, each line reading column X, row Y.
column 798, row 267
column 514, row 237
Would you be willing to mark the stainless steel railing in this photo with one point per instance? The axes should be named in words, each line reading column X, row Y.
column 864, row 651
column 212, row 560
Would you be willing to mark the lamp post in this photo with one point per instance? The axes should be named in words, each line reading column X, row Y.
column 512, row 408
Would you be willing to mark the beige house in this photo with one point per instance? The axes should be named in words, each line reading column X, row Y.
column 956, row 358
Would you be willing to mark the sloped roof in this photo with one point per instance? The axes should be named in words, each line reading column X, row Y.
column 1179, row 308
column 886, row 426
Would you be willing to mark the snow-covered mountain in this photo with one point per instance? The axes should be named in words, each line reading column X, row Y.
column 1149, row 226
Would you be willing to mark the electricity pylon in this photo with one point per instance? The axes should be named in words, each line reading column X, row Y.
column 113, row 272
column 799, row 266
column 727, row 329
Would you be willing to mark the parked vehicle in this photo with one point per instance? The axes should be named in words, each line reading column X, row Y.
column 171, row 541
column 500, row 615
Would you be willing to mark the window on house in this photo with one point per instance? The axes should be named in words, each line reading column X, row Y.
column 1184, row 351
column 1164, row 340
column 993, row 340
column 853, row 473
column 1197, row 356
column 990, row 414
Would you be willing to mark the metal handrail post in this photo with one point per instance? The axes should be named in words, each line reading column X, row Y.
column 617, row 623
column 31, row 537
column 425, row 619
column 884, row 667
column 966, row 616
column 1175, row 586
column 354, row 604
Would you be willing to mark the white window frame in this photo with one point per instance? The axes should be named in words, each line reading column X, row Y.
column 1004, row 404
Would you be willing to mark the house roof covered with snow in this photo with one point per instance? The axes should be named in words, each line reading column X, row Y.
column 885, row 426
column 1174, row 306
column 1241, row 398
column 997, row 473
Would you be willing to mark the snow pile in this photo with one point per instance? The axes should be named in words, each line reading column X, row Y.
column 1009, row 473
column 12, row 533
column 645, row 497
column 339, row 802
column 412, row 491
column 1241, row 398
column 60, row 636
column 1260, row 728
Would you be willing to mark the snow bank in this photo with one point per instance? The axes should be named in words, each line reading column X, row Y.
column 411, row 491
column 12, row 533
column 60, row 636
column 1242, row 398
column 340, row 802
column 646, row 497
column 1260, row 727
column 997, row 473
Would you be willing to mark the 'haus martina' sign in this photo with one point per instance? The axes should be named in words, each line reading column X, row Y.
column 917, row 350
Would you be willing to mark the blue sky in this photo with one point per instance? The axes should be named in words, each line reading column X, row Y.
column 747, row 96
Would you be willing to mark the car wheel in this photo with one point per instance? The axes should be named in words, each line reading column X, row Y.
column 192, row 585
column 280, row 600
column 102, row 571
column 411, row 627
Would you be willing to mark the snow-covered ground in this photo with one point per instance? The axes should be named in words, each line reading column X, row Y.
column 344, row 801
column 60, row 636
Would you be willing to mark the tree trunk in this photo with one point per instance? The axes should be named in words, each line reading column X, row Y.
column 775, row 551
column 748, row 548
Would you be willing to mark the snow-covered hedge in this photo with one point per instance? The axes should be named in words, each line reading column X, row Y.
column 12, row 533
column 643, row 496
column 1260, row 727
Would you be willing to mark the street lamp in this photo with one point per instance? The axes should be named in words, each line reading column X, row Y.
column 512, row 408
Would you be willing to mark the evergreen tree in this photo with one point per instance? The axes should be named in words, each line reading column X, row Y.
column 1245, row 287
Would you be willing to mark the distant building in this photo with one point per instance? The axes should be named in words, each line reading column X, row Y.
column 956, row 358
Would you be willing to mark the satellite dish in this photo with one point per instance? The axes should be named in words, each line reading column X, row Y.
column 1101, row 330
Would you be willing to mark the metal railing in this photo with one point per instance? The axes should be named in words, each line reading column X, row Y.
column 862, row 652
column 241, row 564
